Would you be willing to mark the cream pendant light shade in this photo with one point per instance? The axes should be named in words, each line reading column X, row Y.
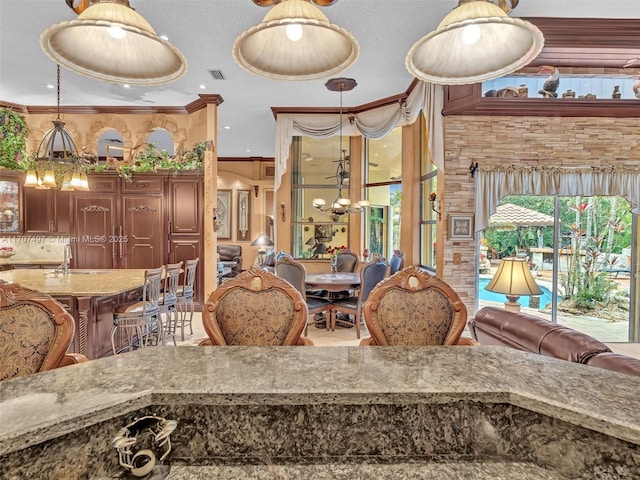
column 295, row 41
column 477, row 41
column 113, row 43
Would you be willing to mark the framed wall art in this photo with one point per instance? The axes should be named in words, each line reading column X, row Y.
column 460, row 227
column 224, row 214
column 244, row 215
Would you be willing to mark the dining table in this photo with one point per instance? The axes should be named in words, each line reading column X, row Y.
column 332, row 282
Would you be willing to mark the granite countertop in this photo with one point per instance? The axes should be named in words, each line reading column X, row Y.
column 50, row 404
column 79, row 283
column 30, row 261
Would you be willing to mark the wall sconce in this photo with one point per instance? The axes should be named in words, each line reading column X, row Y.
column 255, row 189
column 216, row 220
column 284, row 217
column 436, row 205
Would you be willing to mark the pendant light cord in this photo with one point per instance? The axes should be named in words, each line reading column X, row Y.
column 58, row 97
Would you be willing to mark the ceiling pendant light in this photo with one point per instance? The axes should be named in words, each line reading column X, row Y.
column 110, row 41
column 56, row 164
column 477, row 41
column 295, row 41
column 341, row 205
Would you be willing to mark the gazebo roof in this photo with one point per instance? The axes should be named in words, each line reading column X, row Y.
column 509, row 213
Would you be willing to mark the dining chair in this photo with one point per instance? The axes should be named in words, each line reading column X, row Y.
column 255, row 308
column 370, row 275
column 396, row 263
column 168, row 300
column 35, row 332
column 186, row 295
column 295, row 273
column 413, row 308
column 137, row 324
column 348, row 261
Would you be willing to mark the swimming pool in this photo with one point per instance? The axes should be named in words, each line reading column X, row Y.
column 486, row 295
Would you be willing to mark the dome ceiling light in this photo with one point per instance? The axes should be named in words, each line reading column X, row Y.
column 111, row 42
column 295, row 41
column 476, row 42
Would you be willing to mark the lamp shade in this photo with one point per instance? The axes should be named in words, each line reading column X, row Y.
column 295, row 41
column 476, row 41
column 110, row 41
column 262, row 241
column 513, row 278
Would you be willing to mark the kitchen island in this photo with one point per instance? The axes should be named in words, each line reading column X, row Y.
column 89, row 295
column 487, row 413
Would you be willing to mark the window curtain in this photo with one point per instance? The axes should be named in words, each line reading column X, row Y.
column 494, row 183
column 377, row 123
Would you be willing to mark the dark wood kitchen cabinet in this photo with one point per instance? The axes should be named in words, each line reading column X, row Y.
column 46, row 212
column 152, row 220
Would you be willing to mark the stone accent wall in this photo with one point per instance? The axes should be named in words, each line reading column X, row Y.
column 544, row 141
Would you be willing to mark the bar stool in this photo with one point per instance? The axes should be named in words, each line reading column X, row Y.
column 186, row 293
column 168, row 300
column 138, row 323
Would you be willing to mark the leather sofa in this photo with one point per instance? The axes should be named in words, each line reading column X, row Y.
column 231, row 256
column 497, row 326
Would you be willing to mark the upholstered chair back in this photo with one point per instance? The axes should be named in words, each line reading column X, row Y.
column 396, row 263
column 35, row 332
column 412, row 308
column 293, row 272
column 255, row 308
column 347, row 262
column 370, row 276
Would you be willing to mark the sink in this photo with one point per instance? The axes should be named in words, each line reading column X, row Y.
column 78, row 272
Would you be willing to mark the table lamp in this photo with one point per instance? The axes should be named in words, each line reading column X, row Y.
column 513, row 279
column 262, row 241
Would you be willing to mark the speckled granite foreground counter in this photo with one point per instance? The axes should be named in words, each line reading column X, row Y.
column 379, row 408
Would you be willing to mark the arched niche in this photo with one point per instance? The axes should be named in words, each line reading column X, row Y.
column 111, row 138
column 162, row 139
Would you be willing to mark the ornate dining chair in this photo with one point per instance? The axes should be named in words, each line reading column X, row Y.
column 35, row 332
column 137, row 324
column 370, row 275
column 186, row 294
column 412, row 308
column 255, row 308
column 295, row 273
column 168, row 301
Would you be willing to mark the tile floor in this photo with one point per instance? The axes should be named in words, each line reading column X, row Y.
column 347, row 337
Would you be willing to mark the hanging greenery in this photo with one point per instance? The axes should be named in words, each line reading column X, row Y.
column 150, row 159
column 13, row 135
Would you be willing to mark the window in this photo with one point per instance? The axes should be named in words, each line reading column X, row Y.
column 383, row 188
column 428, row 218
column 314, row 176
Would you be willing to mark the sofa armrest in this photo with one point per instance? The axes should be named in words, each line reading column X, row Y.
column 238, row 267
column 616, row 362
column 72, row 359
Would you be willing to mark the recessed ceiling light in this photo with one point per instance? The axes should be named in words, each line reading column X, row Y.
column 248, row 150
column 227, row 127
column 50, row 86
column 164, row 37
column 203, row 87
column 126, row 85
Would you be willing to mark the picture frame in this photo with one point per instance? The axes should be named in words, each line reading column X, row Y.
column 460, row 227
column 224, row 214
column 244, row 215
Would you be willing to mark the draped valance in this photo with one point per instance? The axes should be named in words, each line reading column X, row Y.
column 494, row 183
column 375, row 123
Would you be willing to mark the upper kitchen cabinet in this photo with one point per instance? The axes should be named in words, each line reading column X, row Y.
column 47, row 212
column 10, row 203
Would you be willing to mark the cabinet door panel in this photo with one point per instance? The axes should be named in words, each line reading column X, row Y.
column 141, row 242
column 62, row 213
column 38, row 211
column 186, row 200
column 95, row 221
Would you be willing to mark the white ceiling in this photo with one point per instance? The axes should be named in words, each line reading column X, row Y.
column 204, row 31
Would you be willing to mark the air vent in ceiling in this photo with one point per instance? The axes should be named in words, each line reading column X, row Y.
column 217, row 74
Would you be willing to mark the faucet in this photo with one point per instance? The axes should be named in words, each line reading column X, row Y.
column 64, row 267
